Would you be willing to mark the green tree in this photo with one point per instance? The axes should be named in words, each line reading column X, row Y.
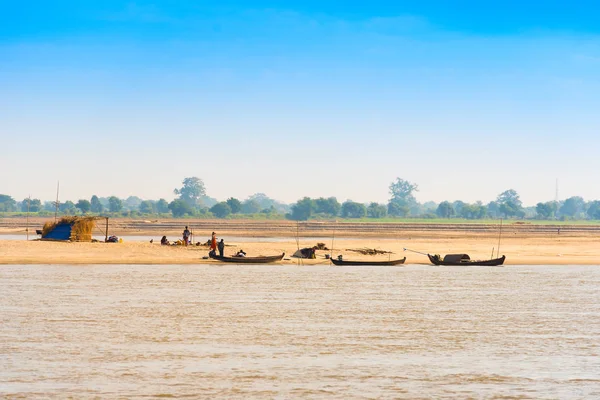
column 132, row 203
column 147, row 207
column 593, row 210
column 221, row 210
column 180, row 208
column 234, row 204
column 95, row 205
column 445, row 210
column 401, row 192
column 510, row 204
column 473, row 211
column 351, row 209
column 573, row 206
column 114, row 204
column 250, row 206
column 376, row 210
column 546, row 210
column 162, row 206
column 398, row 210
column 192, row 190
column 458, row 206
column 84, row 205
column 493, row 209
column 35, row 205
column 302, row 210
column 7, row 203
column 67, row 208
column 328, row 206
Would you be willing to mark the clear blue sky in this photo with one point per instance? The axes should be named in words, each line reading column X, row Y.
column 314, row 98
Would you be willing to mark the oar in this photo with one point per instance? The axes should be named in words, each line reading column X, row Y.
column 414, row 251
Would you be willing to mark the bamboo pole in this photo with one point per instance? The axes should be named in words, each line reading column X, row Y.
column 27, row 227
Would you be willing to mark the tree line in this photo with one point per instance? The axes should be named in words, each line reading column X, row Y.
column 192, row 201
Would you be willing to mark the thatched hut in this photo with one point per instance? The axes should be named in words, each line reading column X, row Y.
column 77, row 229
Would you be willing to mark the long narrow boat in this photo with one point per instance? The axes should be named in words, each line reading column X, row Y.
column 248, row 260
column 464, row 260
column 375, row 263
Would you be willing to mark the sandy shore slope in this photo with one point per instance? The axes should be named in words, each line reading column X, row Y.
column 562, row 250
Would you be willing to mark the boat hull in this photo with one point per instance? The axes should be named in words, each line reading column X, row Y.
column 248, row 260
column 373, row 263
column 495, row 262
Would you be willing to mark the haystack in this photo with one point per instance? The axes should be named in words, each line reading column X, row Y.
column 77, row 229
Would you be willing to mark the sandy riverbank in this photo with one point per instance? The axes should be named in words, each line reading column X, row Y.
column 531, row 251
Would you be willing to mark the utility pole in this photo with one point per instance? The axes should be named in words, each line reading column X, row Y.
column 28, row 204
column 56, row 203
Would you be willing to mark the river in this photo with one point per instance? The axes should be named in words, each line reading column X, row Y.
column 299, row 332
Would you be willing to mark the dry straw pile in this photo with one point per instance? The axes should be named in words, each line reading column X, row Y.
column 81, row 227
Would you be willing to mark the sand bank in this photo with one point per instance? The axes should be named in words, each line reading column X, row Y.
column 561, row 250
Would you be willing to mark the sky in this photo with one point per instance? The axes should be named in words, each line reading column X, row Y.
column 294, row 99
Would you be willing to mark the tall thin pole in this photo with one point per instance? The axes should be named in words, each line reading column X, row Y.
column 499, row 236
column 332, row 239
column 28, row 204
column 56, row 202
column 300, row 260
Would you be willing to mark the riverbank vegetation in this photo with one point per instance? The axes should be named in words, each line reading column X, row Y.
column 192, row 201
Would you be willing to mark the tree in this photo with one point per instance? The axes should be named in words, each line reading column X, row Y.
column 572, row 206
column 68, row 208
column 351, row 209
column 510, row 204
column 493, row 209
column 546, row 210
column 162, row 206
column 402, row 191
column 221, row 210
column 192, row 190
column 7, row 203
column 594, row 210
column 328, row 206
column 234, row 204
column 302, row 210
column 397, row 210
column 132, row 203
column 458, row 206
column 445, row 210
column 402, row 196
column 376, row 210
column 35, row 205
column 180, row 208
column 114, row 204
column 250, row 206
column 84, row 205
column 147, row 207
column 95, row 205
column 473, row 211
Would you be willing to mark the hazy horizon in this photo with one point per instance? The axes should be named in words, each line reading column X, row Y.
column 296, row 99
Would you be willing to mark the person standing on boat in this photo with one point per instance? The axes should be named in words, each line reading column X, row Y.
column 221, row 247
column 213, row 243
column 186, row 236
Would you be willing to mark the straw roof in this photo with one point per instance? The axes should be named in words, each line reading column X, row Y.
column 81, row 227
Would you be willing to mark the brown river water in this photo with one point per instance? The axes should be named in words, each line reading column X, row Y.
column 299, row 332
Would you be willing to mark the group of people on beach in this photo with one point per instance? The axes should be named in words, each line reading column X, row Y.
column 214, row 245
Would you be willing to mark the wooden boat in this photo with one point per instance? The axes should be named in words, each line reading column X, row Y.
column 464, row 260
column 376, row 263
column 247, row 260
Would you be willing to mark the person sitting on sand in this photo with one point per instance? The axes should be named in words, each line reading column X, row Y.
column 164, row 241
column 241, row 253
